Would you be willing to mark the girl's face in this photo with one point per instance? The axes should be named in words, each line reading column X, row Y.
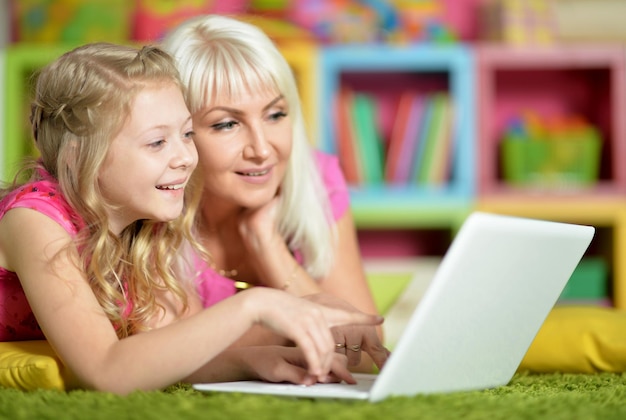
column 243, row 146
column 150, row 161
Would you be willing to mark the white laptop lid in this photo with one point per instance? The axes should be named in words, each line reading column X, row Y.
column 490, row 295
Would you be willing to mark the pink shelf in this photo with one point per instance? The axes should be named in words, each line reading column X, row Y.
column 586, row 79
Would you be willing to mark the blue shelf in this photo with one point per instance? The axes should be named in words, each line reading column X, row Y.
column 408, row 207
column 378, row 64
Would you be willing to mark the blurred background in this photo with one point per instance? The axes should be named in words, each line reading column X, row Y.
column 334, row 21
column 146, row 20
column 434, row 108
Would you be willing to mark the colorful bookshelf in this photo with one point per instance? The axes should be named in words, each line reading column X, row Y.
column 384, row 72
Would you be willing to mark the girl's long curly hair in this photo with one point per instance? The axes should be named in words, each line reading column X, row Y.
column 81, row 101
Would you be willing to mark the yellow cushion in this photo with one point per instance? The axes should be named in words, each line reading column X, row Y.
column 579, row 339
column 30, row 365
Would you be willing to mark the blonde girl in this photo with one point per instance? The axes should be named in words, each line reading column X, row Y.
column 88, row 243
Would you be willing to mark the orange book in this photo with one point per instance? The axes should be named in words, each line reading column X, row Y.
column 398, row 133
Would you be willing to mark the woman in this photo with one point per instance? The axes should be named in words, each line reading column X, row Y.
column 274, row 212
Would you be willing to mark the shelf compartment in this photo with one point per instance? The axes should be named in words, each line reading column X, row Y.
column 385, row 72
column 583, row 80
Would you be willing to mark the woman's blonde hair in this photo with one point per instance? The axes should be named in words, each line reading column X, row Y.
column 218, row 55
column 81, row 101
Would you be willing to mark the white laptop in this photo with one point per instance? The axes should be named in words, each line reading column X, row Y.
column 490, row 295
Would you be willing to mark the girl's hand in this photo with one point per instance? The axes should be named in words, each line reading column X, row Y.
column 306, row 323
column 352, row 339
column 288, row 364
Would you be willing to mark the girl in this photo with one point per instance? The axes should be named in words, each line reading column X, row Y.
column 273, row 212
column 86, row 243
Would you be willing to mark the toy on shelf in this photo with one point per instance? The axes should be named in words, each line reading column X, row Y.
column 336, row 21
column 550, row 152
column 518, row 22
column 152, row 18
column 421, row 20
column 366, row 21
column 269, row 8
column 279, row 30
column 70, row 21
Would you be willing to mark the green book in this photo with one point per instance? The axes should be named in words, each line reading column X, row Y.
column 430, row 134
column 442, row 149
column 369, row 145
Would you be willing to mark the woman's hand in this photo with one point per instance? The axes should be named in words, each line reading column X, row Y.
column 259, row 227
column 306, row 323
column 268, row 253
column 352, row 339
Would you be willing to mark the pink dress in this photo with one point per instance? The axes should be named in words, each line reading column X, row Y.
column 17, row 322
column 213, row 288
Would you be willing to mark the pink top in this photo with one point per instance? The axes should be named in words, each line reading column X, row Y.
column 213, row 288
column 17, row 321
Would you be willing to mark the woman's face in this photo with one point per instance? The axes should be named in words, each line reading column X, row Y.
column 243, row 147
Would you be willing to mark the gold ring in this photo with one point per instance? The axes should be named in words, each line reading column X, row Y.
column 355, row 347
column 340, row 345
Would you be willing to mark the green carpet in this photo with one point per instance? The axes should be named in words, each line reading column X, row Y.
column 553, row 396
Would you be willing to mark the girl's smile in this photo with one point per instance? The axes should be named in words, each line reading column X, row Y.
column 151, row 159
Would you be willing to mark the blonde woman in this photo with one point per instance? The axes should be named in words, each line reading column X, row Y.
column 274, row 212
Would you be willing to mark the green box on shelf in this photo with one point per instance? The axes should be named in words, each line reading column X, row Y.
column 562, row 162
column 589, row 281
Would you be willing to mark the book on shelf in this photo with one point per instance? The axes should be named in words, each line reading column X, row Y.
column 427, row 160
column 394, row 146
column 369, row 144
column 420, row 145
column 421, row 156
column 403, row 124
column 346, row 139
column 409, row 140
column 442, row 150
